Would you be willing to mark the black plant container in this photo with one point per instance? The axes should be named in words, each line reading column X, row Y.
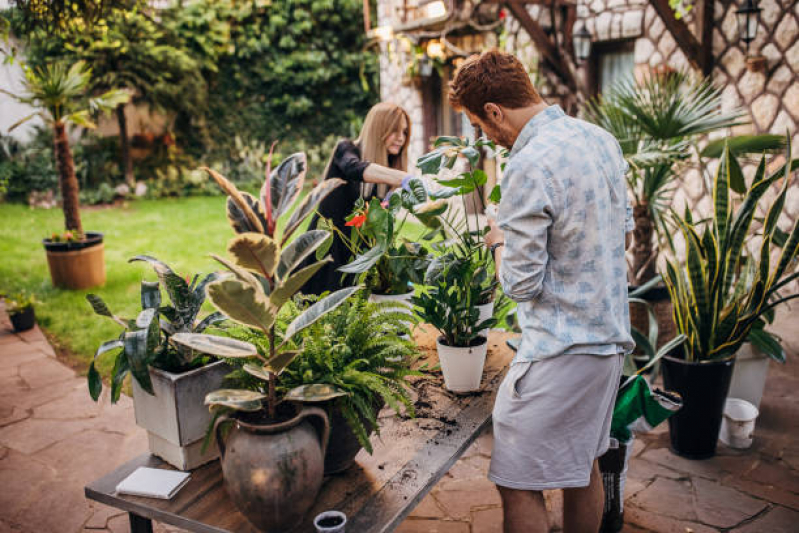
column 694, row 429
column 24, row 320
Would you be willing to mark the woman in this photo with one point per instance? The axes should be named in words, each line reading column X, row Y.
column 373, row 164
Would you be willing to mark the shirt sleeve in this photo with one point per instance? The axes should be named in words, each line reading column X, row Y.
column 347, row 158
column 629, row 223
column 525, row 215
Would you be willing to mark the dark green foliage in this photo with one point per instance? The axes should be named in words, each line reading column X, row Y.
column 145, row 341
column 25, row 169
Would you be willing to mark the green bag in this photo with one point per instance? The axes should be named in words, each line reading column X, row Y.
column 639, row 408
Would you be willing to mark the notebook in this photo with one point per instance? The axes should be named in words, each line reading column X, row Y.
column 153, row 483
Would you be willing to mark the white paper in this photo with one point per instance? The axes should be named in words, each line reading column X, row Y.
column 153, row 483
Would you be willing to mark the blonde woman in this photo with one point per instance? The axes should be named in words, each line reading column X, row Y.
column 371, row 166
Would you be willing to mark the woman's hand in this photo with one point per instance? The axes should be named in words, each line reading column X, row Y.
column 494, row 235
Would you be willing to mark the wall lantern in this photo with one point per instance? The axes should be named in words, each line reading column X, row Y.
column 383, row 33
column 582, row 43
column 435, row 49
column 747, row 21
column 425, row 66
column 434, row 9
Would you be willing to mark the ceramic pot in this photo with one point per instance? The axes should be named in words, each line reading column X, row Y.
column 273, row 472
column 77, row 265
column 703, row 386
column 462, row 366
column 24, row 320
column 749, row 375
column 343, row 445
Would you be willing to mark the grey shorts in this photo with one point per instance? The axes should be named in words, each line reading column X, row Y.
column 552, row 419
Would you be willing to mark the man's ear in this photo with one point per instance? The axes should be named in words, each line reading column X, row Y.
column 493, row 112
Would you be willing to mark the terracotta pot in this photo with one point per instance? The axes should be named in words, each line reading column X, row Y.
column 77, row 265
column 273, row 472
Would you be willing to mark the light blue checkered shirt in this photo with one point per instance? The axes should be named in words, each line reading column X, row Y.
column 564, row 212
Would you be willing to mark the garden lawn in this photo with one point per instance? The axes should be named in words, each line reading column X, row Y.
column 182, row 232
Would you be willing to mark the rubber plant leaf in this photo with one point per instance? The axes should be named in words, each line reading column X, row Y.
column 241, row 210
column 216, row 345
column 238, row 399
column 255, row 252
column 281, row 361
column 316, row 392
column 259, row 372
column 318, row 310
column 240, row 273
column 286, row 183
column 293, row 255
column 242, row 303
column 309, row 205
column 286, row 290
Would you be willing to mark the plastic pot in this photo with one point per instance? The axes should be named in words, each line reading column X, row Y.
column 738, row 423
column 462, row 366
column 749, row 375
column 486, row 312
column 24, row 320
column 694, row 429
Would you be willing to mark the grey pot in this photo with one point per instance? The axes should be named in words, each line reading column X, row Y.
column 176, row 417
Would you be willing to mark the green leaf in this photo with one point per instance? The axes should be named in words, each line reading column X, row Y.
column 213, row 318
column 766, row 343
column 243, row 210
column 448, row 140
column 279, row 362
column 101, row 308
column 175, row 286
column 496, row 194
column 242, row 303
column 365, row 261
column 145, row 318
column 286, row 290
column 293, row 255
column 256, row 252
column 216, row 345
column 472, row 154
column 314, row 393
column 318, row 310
column 95, row 383
column 309, row 204
column 139, row 348
column 260, row 372
column 121, row 370
column 241, row 274
column 150, row 294
column 745, row 144
column 238, row 399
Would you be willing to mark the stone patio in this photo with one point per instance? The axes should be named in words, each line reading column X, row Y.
column 54, row 440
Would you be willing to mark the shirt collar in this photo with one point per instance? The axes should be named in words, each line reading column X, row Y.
column 534, row 125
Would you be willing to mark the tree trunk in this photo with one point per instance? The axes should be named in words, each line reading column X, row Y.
column 68, row 180
column 644, row 262
column 124, row 148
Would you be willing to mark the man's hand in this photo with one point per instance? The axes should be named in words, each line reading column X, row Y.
column 495, row 235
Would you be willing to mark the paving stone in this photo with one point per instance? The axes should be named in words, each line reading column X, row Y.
column 85, row 456
column 768, row 493
column 667, row 497
column 650, row 521
column 44, row 372
column 777, row 520
column 644, row 470
column 721, row 506
column 26, row 398
column 431, row 526
column 428, row 508
column 16, row 354
column 487, row 520
column 459, row 504
column 23, row 480
column 771, row 474
column 32, row 335
column 42, row 346
column 77, row 404
column 10, row 414
column 30, row 436
column 707, row 468
column 66, row 508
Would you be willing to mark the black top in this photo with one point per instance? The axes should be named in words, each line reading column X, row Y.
column 348, row 165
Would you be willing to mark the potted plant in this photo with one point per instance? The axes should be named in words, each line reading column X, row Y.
column 19, row 307
column 75, row 258
column 169, row 380
column 358, row 348
column 386, row 262
column 262, row 278
column 719, row 297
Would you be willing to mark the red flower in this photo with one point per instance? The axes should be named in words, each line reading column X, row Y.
column 357, row 221
column 502, row 14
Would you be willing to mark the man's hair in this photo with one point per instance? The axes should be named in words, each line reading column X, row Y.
column 491, row 77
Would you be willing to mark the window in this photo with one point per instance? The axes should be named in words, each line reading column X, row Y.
column 610, row 63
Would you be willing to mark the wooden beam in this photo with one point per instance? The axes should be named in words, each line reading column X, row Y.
column 706, row 35
column 533, row 2
column 543, row 44
column 679, row 30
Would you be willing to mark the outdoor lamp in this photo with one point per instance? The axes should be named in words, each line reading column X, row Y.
column 435, row 9
column 384, row 33
column 747, row 21
column 436, row 49
column 425, row 66
column 582, row 43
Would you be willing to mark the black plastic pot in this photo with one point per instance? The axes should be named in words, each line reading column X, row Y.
column 343, row 445
column 24, row 320
column 694, row 429
column 93, row 238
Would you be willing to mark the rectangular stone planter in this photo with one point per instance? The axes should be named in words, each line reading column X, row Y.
column 176, row 418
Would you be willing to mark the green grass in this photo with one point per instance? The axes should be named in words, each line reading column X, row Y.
column 181, row 232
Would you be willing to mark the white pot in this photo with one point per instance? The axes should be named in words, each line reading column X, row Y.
column 749, row 375
column 462, row 367
column 176, row 417
column 401, row 298
column 486, row 312
column 738, row 423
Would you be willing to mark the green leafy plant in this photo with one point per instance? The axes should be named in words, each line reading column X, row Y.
column 390, row 262
column 721, row 296
column 60, row 93
column 149, row 339
column 19, row 302
column 263, row 277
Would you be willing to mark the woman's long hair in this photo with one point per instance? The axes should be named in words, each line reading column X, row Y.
column 382, row 120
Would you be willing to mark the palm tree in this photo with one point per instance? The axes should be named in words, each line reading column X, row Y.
column 655, row 121
column 60, row 95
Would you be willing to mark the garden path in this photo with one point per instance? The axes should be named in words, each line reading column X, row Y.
column 54, row 440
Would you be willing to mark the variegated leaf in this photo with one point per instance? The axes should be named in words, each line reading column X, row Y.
column 102, row 309
column 238, row 399
column 240, row 273
column 216, row 345
column 175, row 286
column 286, row 183
column 286, row 290
column 318, row 310
column 314, row 393
column 150, row 294
column 281, row 361
column 240, row 211
column 309, row 205
column 242, row 303
column 256, row 252
column 304, row 245
column 259, row 372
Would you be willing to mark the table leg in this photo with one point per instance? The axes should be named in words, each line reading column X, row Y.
column 139, row 524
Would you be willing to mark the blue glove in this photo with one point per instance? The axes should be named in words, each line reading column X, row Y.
column 406, row 182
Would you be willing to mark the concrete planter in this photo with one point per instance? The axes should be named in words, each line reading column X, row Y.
column 176, row 418
column 749, row 375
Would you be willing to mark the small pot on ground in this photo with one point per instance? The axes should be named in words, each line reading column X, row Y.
column 330, row 522
column 176, row 418
column 273, row 469
column 77, row 265
column 462, row 366
column 694, row 429
column 749, row 374
column 23, row 320
column 343, row 445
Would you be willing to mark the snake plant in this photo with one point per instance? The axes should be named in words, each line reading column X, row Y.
column 722, row 294
column 264, row 273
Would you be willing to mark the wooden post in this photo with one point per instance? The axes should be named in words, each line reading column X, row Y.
column 706, row 34
column 367, row 16
column 682, row 35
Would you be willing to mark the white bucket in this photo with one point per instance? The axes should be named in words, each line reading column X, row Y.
column 486, row 312
column 462, row 367
column 738, row 423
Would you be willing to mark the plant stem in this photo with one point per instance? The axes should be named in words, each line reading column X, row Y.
column 272, row 400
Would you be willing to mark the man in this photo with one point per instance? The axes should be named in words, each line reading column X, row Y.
column 559, row 244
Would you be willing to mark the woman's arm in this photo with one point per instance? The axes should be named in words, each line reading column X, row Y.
column 348, row 159
column 383, row 175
